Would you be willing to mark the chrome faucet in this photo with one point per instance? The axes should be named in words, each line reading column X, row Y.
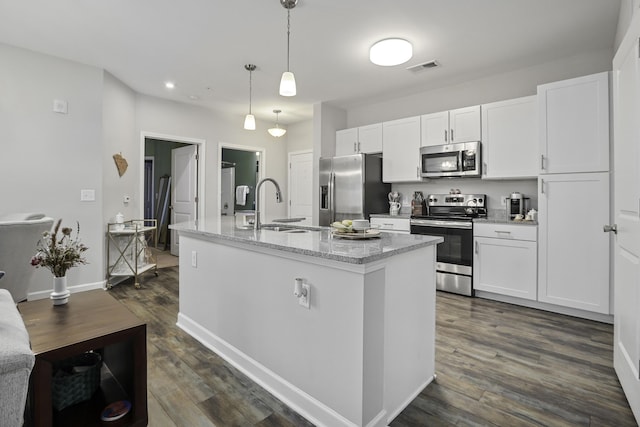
column 256, row 221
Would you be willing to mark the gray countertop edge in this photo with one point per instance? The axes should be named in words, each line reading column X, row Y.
column 317, row 254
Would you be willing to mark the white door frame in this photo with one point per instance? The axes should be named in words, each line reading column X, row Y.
column 289, row 154
column 201, row 166
column 262, row 171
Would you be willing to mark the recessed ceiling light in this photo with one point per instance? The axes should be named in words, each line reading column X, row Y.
column 389, row 52
column 169, row 85
column 194, row 97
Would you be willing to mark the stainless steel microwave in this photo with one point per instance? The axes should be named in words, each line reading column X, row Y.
column 451, row 160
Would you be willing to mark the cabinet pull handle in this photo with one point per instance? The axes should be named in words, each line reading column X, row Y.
column 445, row 136
column 359, row 146
column 476, row 246
column 354, row 147
column 485, row 168
column 541, row 161
column 418, row 171
column 451, row 139
column 503, row 232
column 541, row 186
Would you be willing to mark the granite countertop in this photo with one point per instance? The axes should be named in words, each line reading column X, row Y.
column 387, row 215
column 503, row 220
column 318, row 242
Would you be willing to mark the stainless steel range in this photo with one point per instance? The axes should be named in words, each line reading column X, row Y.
column 451, row 217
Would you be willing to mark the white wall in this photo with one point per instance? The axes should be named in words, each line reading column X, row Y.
column 119, row 120
column 47, row 158
column 156, row 115
column 627, row 9
column 498, row 87
column 300, row 136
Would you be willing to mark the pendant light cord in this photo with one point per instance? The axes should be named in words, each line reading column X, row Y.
column 250, row 87
column 288, row 35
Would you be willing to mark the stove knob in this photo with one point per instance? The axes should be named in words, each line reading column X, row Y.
column 480, row 200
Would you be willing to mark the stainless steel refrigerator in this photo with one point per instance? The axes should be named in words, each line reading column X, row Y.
column 351, row 187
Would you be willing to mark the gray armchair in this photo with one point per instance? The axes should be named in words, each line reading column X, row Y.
column 19, row 234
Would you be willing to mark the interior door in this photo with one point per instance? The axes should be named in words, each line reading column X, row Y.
column 184, row 191
column 300, row 186
column 626, row 98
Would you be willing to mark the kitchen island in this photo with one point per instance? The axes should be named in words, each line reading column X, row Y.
column 361, row 351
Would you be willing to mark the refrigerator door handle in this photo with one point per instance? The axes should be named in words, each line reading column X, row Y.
column 332, row 182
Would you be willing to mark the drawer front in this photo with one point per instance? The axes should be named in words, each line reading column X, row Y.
column 394, row 224
column 506, row 231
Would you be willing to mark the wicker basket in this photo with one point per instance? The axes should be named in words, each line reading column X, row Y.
column 71, row 386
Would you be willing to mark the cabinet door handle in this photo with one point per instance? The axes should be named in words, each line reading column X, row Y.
column 451, row 139
column 542, row 186
column 485, row 168
column 541, row 161
column 445, row 136
column 359, row 146
column 418, row 171
column 354, row 147
column 503, row 232
column 476, row 246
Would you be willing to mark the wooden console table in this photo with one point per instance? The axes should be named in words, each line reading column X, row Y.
column 92, row 320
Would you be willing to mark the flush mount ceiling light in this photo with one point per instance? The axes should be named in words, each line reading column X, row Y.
column 288, row 81
column 250, row 120
column 277, row 131
column 389, row 52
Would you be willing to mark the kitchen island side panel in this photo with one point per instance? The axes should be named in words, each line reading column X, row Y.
column 331, row 363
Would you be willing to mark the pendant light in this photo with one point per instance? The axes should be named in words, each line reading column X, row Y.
column 277, row 131
column 250, row 120
column 288, row 81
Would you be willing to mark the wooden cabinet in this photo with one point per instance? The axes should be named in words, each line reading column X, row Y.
column 505, row 259
column 459, row 125
column 363, row 139
column 510, row 139
column 573, row 253
column 401, row 150
column 92, row 320
column 574, row 125
column 391, row 224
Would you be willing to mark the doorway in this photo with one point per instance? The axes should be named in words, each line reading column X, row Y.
column 239, row 171
column 157, row 150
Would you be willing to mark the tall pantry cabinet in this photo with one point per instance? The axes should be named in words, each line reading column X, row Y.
column 573, row 193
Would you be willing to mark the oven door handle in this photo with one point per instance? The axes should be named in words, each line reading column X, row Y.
column 442, row 224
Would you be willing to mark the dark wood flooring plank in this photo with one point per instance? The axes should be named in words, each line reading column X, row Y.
column 498, row 365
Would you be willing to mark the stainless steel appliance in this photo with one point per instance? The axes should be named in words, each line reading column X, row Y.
column 451, row 217
column 516, row 205
column 451, row 160
column 351, row 187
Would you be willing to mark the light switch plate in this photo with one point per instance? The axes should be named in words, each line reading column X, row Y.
column 87, row 195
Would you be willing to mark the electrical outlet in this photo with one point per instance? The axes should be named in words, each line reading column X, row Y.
column 305, row 300
column 503, row 200
column 194, row 259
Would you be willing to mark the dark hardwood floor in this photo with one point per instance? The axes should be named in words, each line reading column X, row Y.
column 497, row 365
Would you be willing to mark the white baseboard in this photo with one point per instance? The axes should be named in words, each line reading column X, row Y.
column 73, row 289
column 304, row 404
column 408, row 401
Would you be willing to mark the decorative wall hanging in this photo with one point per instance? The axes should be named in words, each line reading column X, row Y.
column 121, row 163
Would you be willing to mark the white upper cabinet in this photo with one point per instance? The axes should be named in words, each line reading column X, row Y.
column 510, row 139
column 460, row 125
column 363, row 139
column 401, row 150
column 574, row 125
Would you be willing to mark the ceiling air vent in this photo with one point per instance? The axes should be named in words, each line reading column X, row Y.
column 424, row 66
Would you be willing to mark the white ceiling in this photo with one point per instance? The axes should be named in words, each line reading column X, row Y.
column 203, row 45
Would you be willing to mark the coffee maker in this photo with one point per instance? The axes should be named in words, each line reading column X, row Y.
column 516, row 205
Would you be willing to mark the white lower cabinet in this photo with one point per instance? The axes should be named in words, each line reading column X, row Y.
column 505, row 259
column 389, row 224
